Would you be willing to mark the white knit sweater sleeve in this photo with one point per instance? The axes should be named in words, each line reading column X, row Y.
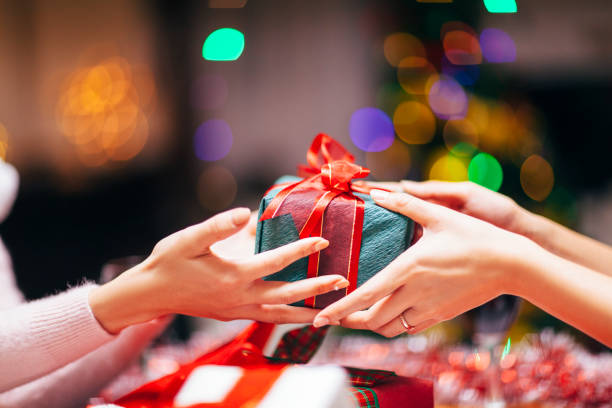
column 44, row 335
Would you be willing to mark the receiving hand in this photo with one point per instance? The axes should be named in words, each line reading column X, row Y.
column 459, row 263
column 183, row 275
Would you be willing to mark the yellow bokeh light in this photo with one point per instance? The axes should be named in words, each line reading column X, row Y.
column 3, row 142
column 390, row 164
column 537, row 177
column 460, row 131
column 102, row 110
column 414, row 122
column 447, row 167
column 217, row 188
column 398, row 46
column 413, row 74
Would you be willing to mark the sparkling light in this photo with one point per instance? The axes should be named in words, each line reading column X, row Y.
column 460, row 132
column 371, row 129
column 224, row 44
column 3, row 142
column 500, row 6
column 413, row 74
column 390, row 164
column 537, row 177
column 485, row 170
column 448, row 167
column 398, row 46
column 102, row 110
column 506, row 349
column 213, row 140
column 414, row 122
column 217, row 188
column 462, row 48
column 497, row 45
column 210, row 91
column 447, row 98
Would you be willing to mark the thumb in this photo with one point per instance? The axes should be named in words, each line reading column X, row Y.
column 201, row 236
column 420, row 211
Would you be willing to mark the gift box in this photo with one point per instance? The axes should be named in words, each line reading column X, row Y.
column 238, row 374
column 363, row 237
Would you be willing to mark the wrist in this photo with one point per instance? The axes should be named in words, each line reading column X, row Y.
column 124, row 301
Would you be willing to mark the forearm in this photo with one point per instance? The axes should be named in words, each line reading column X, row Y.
column 86, row 376
column 573, row 293
column 565, row 243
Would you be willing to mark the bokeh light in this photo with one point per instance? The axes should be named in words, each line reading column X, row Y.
column 414, row 122
column 398, row 46
column 464, row 74
column 217, row 188
column 371, row 129
column 500, row 130
column 447, row 98
column 101, row 110
column 3, row 142
column 485, row 170
column 497, row 46
column 391, row 164
column 537, row 177
column 413, row 74
column 462, row 48
column 213, row 140
column 460, row 132
column 478, row 114
column 447, row 167
column 224, row 44
column 500, row 6
column 209, row 92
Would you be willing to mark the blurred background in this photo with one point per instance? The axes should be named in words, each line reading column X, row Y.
column 130, row 120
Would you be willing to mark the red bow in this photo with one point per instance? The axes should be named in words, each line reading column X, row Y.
column 327, row 192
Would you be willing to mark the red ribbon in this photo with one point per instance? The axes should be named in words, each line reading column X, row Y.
column 320, row 205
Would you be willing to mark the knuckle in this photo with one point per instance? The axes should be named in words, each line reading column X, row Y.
column 403, row 200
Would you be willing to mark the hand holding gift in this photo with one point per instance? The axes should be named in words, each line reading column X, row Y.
column 185, row 275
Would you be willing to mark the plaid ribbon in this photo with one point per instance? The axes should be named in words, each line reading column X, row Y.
column 299, row 345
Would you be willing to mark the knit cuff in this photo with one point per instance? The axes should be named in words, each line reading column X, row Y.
column 64, row 327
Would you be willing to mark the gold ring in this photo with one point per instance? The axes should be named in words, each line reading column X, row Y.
column 406, row 325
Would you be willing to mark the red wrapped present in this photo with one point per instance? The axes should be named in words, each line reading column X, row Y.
column 260, row 374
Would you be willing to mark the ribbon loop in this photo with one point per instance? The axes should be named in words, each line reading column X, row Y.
column 338, row 174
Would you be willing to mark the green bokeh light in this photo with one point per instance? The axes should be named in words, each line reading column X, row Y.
column 485, row 170
column 224, row 44
column 500, row 6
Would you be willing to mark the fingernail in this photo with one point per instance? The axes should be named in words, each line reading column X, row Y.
column 379, row 195
column 322, row 244
column 341, row 284
column 320, row 321
column 240, row 216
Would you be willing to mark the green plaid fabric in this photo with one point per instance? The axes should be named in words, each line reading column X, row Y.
column 298, row 346
column 365, row 397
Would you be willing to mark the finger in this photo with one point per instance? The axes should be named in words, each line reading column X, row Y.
column 201, row 236
column 274, row 260
column 395, row 327
column 433, row 189
column 379, row 286
column 274, row 313
column 384, row 310
column 252, row 225
column 420, row 211
column 388, row 185
column 271, row 292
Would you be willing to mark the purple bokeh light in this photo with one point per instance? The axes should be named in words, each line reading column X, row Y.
column 447, row 98
column 371, row 130
column 213, row 140
column 497, row 45
column 209, row 91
